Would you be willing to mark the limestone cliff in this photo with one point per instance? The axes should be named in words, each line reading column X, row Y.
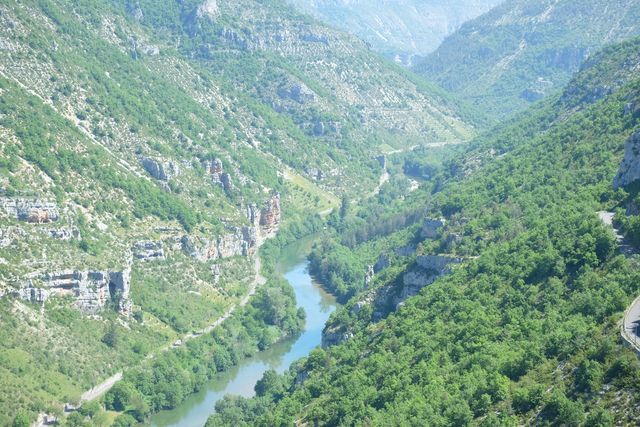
column 629, row 170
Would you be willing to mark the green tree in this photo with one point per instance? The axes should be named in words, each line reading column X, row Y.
column 90, row 409
column 112, row 336
column 22, row 419
column 345, row 205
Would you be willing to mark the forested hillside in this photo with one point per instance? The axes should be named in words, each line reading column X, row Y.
column 147, row 151
column 522, row 326
column 158, row 157
column 524, row 50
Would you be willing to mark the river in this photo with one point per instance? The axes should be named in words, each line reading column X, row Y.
column 241, row 379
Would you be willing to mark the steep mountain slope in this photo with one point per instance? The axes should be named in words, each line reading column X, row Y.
column 399, row 29
column 519, row 286
column 524, row 50
column 148, row 149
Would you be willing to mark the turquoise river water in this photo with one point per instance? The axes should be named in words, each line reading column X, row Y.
column 241, row 379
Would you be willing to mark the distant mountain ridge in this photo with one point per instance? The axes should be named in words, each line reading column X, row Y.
column 400, row 29
column 523, row 50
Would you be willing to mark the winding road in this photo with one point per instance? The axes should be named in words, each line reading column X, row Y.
column 258, row 280
column 630, row 327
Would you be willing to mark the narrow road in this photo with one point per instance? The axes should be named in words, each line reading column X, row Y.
column 101, row 388
column 382, row 181
column 106, row 385
column 630, row 328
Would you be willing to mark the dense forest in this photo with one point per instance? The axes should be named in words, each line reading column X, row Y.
column 525, row 331
column 475, row 219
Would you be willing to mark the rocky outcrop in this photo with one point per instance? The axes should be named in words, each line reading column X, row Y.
column 629, row 170
column 334, row 335
column 265, row 220
column 148, row 251
column 9, row 234
column 428, row 269
column 135, row 11
column 315, row 173
column 30, row 210
column 92, row 290
column 214, row 168
column 218, row 176
column 32, row 294
column 63, row 233
column 208, row 9
column 239, row 241
column 431, row 228
column 162, row 170
column 382, row 263
column 233, row 38
column 270, row 215
column 369, row 275
column 215, row 273
column 225, row 180
column 298, row 92
column 315, row 38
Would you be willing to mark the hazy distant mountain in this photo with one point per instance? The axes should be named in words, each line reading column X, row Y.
column 523, row 50
column 397, row 27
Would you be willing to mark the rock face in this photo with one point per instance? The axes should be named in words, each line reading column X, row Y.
column 218, row 176
column 382, row 263
column 267, row 219
column 30, row 210
column 225, row 180
column 431, row 228
column 298, row 92
column 92, row 290
column 239, row 241
column 270, row 215
column 208, row 9
column 9, row 234
column 160, row 169
column 390, row 297
column 629, row 170
column 368, row 276
column 334, row 335
column 430, row 267
column 38, row 295
column 64, row 233
column 148, row 251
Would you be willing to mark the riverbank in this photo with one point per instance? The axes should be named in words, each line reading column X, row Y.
column 241, row 379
